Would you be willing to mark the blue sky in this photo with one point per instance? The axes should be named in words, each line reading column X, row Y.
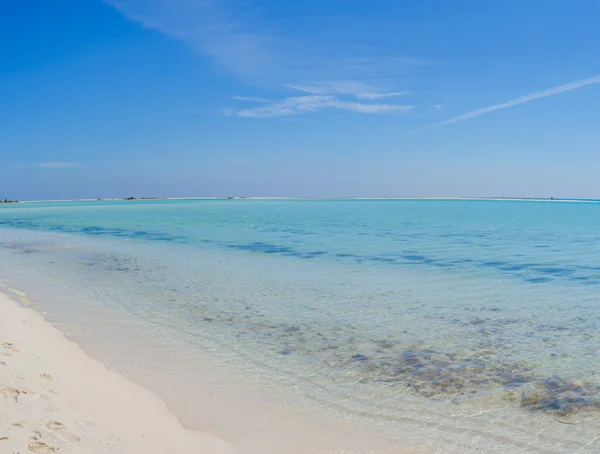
column 313, row 98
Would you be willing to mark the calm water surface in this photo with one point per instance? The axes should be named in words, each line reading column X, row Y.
column 473, row 317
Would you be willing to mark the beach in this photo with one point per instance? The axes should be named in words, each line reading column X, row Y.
column 55, row 398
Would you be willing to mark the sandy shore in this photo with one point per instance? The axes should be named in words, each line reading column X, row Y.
column 54, row 398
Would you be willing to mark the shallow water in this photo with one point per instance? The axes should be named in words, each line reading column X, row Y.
column 471, row 321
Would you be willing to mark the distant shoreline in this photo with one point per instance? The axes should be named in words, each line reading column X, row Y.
column 508, row 199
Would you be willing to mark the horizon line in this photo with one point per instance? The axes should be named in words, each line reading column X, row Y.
column 466, row 198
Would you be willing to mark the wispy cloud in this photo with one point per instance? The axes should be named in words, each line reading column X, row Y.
column 56, row 164
column 312, row 103
column 206, row 26
column 347, row 87
column 382, row 95
column 235, row 36
column 245, row 45
column 514, row 102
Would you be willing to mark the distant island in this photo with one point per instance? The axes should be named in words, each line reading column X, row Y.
column 135, row 198
column 9, row 201
column 176, row 198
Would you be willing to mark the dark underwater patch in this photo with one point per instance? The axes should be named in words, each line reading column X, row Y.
column 262, row 247
column 538, row 280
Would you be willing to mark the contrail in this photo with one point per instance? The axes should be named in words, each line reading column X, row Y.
column 514, row 102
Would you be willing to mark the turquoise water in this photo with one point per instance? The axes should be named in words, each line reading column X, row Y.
column 476, row 316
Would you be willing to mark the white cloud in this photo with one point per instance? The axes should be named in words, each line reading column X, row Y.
column 382, row 95
column 312, row 103
column 56, row 164
column 515, row 102
column 373, row 108
column 288, row 106
column 343, row 87
column 347, row 87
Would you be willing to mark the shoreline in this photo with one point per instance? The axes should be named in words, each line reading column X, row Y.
column 153, row 199
column 54, row 397
column 218, row 411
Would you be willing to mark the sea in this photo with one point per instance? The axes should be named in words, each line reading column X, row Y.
column 333, row 326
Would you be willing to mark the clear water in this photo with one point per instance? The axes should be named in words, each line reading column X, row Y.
column 476, row 318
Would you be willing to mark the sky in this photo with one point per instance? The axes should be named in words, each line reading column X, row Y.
column 315, row 98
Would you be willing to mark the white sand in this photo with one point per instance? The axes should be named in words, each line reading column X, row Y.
column 54, row 398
